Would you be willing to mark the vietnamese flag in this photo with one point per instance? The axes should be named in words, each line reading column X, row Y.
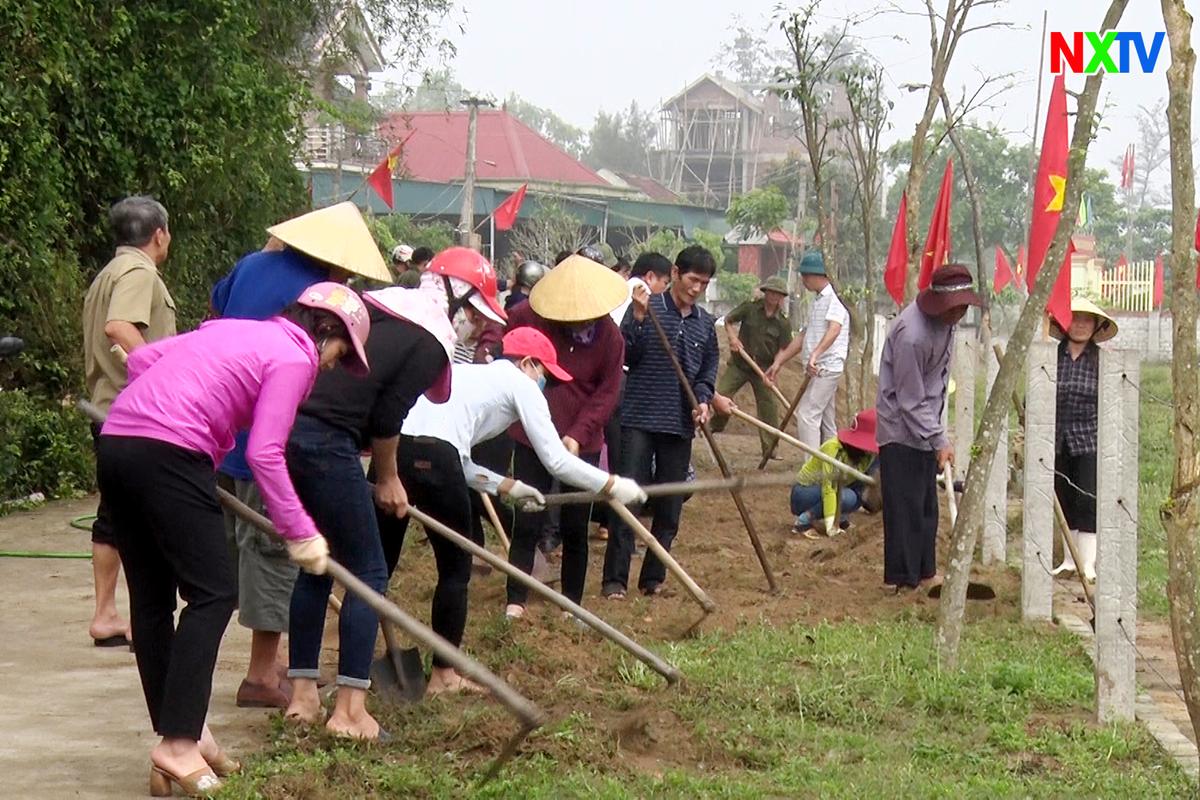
column 380, row 178
column 1049, row 191
column 506, row 213
column 937, row 243
column 1002, row 275
column 1158, row 280
column 895, row 273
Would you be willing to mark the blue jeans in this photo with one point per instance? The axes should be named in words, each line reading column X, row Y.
column 808, row 498
column 328, row 476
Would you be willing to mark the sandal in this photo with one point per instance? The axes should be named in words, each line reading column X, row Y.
column 223, row 765
column 613, row 591
column 201, row 783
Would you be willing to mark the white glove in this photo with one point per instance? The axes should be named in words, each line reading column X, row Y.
column 626, row 491
column 526, row 497
column 311, row 554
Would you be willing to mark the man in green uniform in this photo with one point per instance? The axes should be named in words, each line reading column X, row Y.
column 760, row 328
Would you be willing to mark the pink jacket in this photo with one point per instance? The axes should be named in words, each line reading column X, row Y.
column 198, row 389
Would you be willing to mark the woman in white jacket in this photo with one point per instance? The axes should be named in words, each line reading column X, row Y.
column 435, row 466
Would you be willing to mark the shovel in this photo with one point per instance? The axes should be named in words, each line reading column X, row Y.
column 398, row 676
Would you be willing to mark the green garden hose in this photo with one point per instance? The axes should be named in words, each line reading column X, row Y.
column 77, row 522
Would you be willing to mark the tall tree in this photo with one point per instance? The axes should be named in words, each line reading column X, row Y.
column 621, row 141
column 945, row 32
column 748, row 57
column 1181, row 512
column 868, row 109
column 808, row 81
column 966, row 533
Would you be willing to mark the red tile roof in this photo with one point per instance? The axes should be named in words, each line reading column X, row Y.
column 437, row 149
column 649, row 187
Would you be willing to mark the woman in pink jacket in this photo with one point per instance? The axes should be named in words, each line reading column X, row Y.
column 187, row 396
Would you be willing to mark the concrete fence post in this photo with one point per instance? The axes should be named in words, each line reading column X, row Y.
column 964, row 369
column 1117, row 531
column 995, row 504
column 1037, row 546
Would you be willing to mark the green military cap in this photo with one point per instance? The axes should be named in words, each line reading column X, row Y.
column 774, row 284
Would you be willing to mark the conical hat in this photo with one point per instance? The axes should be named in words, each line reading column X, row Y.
column 336, row 235
column 1106, row 326
column 577, row 290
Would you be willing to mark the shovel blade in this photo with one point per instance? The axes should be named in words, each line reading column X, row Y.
column 398, row 676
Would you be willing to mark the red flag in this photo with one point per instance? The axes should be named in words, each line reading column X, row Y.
column 1002, row 275
column 895, row 273
column 1158, row 280
column 380, row 178
column 937, row 243
column 1127, row 168
column 506, row 213
column 1048, row 193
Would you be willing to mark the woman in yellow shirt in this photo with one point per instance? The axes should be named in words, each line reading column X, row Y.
column 821, row 488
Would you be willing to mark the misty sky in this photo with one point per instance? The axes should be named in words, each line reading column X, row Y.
column 576, row 58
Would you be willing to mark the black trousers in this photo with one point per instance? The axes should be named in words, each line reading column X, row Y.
column 910, row 514
column 102, row 526
column 670, row 455
column 171, row 537
column 527, row 529
column 432, row 474
column 1075, row 485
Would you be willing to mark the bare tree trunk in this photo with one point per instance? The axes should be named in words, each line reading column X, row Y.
column 1181, row 514
column 966, row 532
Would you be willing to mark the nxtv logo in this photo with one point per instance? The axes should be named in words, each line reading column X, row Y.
column 1128, row 43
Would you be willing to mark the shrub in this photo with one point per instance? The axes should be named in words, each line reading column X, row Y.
column 44, row 447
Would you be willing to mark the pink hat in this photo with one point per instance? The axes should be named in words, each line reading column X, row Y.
column 422, row 310
column 533, row 343
column 861, row 434
column 348, row 307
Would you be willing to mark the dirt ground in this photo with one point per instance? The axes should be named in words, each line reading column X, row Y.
column 75, row 724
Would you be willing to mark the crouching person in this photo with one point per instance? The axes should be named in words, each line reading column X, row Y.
column 823, row 493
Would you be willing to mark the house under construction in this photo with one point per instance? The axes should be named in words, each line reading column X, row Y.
column 717, row 139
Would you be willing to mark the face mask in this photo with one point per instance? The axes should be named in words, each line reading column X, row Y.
column 541, row 382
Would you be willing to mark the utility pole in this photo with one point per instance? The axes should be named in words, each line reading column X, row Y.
column 466, row 219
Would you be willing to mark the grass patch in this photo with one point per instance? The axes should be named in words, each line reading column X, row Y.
column 1156, row 463
column 846, row 710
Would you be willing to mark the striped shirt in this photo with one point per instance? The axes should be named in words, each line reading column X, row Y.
column 654, row 400
column 828, row 308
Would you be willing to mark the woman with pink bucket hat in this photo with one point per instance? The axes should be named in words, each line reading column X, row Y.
column 156, row 460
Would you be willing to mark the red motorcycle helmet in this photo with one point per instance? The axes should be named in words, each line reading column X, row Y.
column 470, row 266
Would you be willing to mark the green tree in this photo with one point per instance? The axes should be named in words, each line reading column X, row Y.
column 758, row 212
column 198, row 104
column 621, row 141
